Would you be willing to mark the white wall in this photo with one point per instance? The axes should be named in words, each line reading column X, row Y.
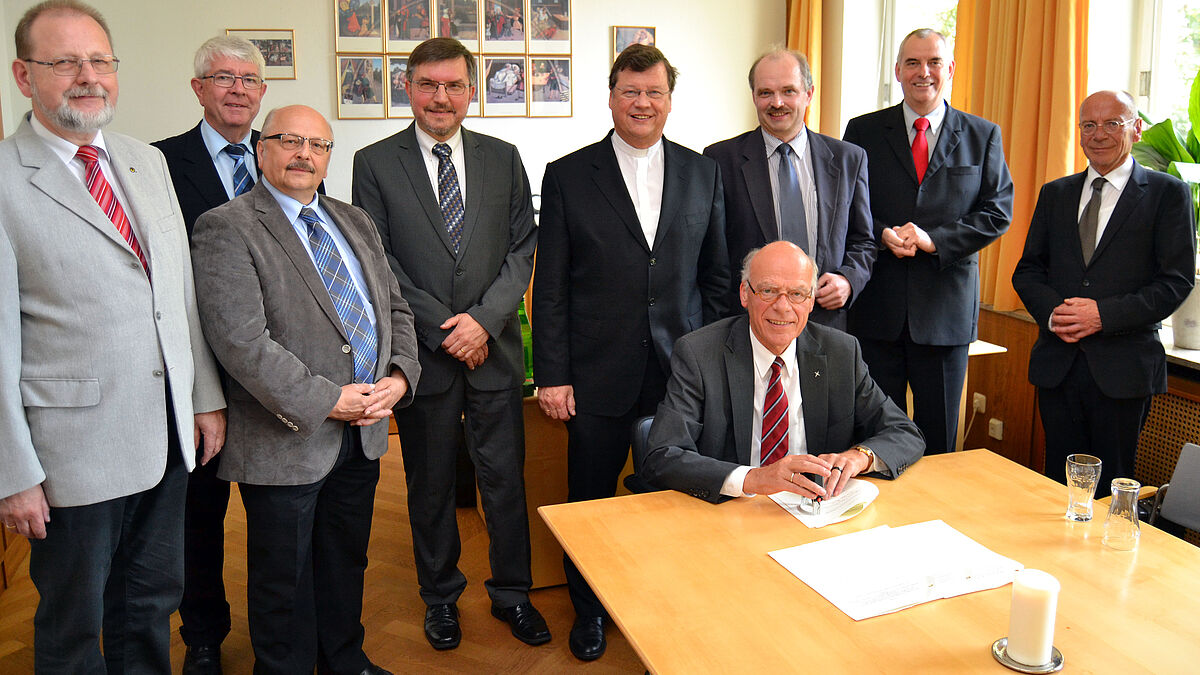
column 712, row 42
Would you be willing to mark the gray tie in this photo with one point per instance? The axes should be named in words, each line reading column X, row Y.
column 1090, row 221
column 793, row 223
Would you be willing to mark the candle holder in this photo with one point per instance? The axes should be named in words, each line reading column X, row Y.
column 1000, row 653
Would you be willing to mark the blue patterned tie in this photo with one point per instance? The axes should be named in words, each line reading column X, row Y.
column 449, row 196
column 241, row 177
column 793, row 222
column 346, row 300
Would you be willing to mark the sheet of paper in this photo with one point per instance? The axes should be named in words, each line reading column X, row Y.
column 855, row 498
column 885, row 569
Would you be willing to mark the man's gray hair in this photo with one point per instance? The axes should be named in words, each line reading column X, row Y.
column 230, row 47
column 799, row 254
column 921, row 34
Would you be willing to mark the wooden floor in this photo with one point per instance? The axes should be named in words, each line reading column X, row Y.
column 392, row 611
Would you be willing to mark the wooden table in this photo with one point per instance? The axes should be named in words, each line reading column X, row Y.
column 691, row 586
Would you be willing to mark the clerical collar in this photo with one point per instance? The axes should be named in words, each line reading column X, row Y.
column 620, row 145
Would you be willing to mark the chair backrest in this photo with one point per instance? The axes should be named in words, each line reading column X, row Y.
column 1181, row 504
column 640, row 439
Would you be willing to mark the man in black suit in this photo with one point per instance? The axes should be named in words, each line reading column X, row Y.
column 211, row 164
column 632, row 256
column 940, row 191
column 1110, row 253
column 454, row 211
column 765, row 170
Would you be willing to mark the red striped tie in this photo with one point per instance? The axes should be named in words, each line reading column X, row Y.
column 920, row 148
column 102, row 192
column 774, row 418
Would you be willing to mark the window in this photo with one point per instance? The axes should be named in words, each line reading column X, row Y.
column 1174, row 61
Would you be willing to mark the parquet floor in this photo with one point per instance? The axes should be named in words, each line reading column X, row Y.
column 393, row 612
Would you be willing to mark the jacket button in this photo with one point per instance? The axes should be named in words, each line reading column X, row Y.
column 135, row 266
column 645, row 343
column 345, row 349
column 158, row 315
column 651, row 302
column 158, row 373
column 1086, row 283
column 458, row 272
column 653, row 262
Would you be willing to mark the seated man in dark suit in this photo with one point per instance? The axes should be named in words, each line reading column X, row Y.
column 753, row 399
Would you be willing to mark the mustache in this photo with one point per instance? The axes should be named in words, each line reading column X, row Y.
column 81, row 90
column 301, row 166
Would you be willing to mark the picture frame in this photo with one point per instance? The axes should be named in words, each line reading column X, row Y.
column 623, row 36
column 359, row 87
column 504, row 86
column 503, row 27
column 398, row 103
column 549, row 86
column 278, row 47
column 408, row 24
column 475, row 109
column 458, row 19
column 357, row 26
column 549, row 26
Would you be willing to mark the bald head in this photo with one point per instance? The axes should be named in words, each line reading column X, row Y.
column 296, row 172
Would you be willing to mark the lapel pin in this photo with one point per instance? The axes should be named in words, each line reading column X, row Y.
column 816, row 373
column 132, row 170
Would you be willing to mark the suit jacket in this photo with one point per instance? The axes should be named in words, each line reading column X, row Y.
column 92, row 351
column 604, row 301
column 1141, row 271
column 488, row 276
column 197, row 183
column 964, row 203
column 272, row 324
column 703, row 428
column 845, row 242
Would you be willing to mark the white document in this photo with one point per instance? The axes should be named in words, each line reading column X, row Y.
column 887, row 569
column 855, row 498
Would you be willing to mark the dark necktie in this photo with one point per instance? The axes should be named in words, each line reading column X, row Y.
column 920, row 148
column 346, row 300
column 103, row 193
column 449, row 196
column 241, row 176
column 1090, row 221
column 774, row 444
column 793, row 222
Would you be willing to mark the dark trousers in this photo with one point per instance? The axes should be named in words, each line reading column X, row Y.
column 935, row 373
column 597, row 450
column 431, row 430
column 1077, row 417
column 117, row 567
column 204, row 612
column 307, row 554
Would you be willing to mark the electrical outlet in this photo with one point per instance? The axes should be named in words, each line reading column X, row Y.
column 980, row 403
column 996, row 429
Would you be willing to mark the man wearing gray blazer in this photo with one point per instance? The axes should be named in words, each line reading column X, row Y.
column 453, row 208
column 105, row 379
column 308, row 322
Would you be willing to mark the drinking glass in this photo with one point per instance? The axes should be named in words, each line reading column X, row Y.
column 1083, row 473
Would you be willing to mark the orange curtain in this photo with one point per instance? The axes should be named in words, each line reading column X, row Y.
column 1023, row 65
column 804, row 35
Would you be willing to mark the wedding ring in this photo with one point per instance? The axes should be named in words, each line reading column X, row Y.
column 836, row 468
column 11, row 527
column 791, row 477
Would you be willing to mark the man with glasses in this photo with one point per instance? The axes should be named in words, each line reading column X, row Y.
column 632, row 256
column 455, row 213
column 1110, row 253
column 759, row 400
column 107, row 388
column 318, row 346
column 211, row 164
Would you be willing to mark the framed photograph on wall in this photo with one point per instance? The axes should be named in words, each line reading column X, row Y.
column 358, row 25
column 550, row 87
column 278, row 47
column 503, row 26
column 623, row 36
column 504, row 87
column 458, row 19
column 408, row 24
column 360, row 87
column 550, row 26
column 398, row 103
column 474, row 110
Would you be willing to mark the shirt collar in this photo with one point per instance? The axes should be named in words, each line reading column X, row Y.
column 763, row 358
column 427, row 142
column 799, row 143
column 290, row 205
column 215, row 142
column 1118, row 177
column 624, row 148
column 64, row 149
column 935, row 117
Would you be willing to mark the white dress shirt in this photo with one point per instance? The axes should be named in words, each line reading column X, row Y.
column 222, row 161
column 802, row 164
column 1114, row 184
column 642, row 170
column 456, row 158
column 935, row 117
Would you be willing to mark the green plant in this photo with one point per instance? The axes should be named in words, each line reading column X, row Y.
column 1163, row 148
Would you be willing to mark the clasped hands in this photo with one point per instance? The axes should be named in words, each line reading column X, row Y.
column 905, row 240
column 1075, row 319
column 363, row 404
column 787, row 475
column 467, row 342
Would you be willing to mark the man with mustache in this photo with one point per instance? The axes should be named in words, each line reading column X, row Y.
column 785, row 181
column 108, row 391
column 454, row 210
column 318, row 345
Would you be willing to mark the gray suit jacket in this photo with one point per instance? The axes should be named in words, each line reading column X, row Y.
column 272, row 325
column 703, row 427
column 87, row 339
column 488, row 276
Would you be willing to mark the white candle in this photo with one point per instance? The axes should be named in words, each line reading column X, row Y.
column 1031, row 624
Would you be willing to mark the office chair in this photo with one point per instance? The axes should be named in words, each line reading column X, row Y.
column 640, row 436
column 1179, row 500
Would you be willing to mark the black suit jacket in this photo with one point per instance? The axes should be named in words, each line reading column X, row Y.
column 603, row 300
column 197, row 183
column 1141, row 271
column 702, row 430
column 845, row 244
column 964, row 203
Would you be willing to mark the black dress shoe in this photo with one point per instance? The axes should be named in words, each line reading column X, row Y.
column 587, row 641
column 441, row 626
column 526, row 622
column 202, row 660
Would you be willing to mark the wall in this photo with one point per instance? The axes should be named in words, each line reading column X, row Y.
column 156, row 40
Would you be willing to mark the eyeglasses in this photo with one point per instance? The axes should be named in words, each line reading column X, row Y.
column 226, row 80
column 292, row 142
column 770, row 295
column 1109, row 127
column 431, row 87
column 652, row 94
column 105, row 65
